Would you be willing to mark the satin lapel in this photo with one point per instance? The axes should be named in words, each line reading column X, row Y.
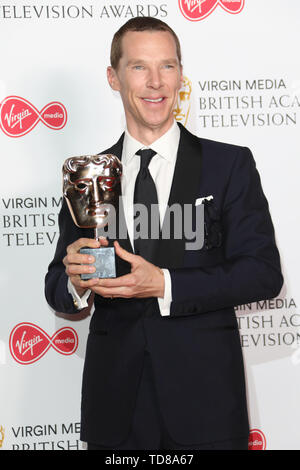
column 184, row 190
column 124, row 242
column 117, row 148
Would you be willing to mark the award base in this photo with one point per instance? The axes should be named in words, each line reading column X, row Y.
column 105, row 262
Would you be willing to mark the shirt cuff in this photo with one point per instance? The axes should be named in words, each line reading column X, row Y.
column 164, row 302
column 79, row 302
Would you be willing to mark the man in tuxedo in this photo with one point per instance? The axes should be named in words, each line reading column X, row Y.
column 164, row 367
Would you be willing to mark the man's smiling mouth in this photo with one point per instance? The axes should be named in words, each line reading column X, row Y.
column 158, row 100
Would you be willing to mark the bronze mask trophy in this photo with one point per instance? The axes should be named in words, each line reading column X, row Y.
column 91, row 187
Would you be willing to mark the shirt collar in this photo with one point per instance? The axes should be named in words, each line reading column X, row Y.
column 166, row 146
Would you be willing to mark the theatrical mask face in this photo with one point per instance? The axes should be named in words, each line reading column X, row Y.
column 91, row 187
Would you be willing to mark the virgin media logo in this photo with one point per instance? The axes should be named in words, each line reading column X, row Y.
column 18, row 116
column 28, row 342
column 257, row 440
column 196, row 10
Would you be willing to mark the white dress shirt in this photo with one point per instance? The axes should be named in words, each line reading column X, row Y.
column 161, row 168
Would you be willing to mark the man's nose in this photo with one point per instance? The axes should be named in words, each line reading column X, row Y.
column 154, row 78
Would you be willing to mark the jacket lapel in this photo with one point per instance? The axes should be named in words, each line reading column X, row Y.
column 117, row 148
column 184, row 190
column 169, row 253
column 122, row 266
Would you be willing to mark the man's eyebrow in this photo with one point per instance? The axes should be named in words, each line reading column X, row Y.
column 170, row 61
column 142, row 61
column 135, row 61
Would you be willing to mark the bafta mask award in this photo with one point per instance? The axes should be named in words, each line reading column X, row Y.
column 91, row 187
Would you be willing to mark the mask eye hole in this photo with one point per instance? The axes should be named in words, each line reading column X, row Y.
column 81, row 186
column 107, row 182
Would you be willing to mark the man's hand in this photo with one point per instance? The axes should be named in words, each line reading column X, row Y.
column 77, row 263
column 145, row 279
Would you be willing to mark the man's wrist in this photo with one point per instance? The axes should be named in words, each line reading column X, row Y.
column 79, row 290
column 80, row 301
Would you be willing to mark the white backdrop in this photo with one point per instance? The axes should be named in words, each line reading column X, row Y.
column 242, row 86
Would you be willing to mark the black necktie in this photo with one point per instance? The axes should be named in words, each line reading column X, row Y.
column 145, row 193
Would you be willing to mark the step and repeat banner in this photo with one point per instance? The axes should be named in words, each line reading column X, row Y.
column 242, row 86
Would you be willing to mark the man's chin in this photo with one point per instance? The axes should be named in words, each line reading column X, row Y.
column 159, row 123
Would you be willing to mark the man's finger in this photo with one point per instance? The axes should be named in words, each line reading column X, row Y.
column 128, row 280
column 78, row 258
column 115, row 292
column 80, row 243
column 83, row 284
column 124, row 254
column 86, row 242
column 73, row 269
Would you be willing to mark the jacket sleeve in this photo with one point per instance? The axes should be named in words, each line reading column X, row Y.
column 56, row 280
column 251, row 268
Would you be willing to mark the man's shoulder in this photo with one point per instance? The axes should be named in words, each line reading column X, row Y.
column 223, row 153
column 220, row 146
column 218, row 153
column 214, row 146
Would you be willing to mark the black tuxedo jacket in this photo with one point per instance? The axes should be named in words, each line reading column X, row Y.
column 195, row 352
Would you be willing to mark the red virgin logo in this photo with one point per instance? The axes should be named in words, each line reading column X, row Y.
column 257, row 440
column 28, row 342
column 196, row 10
column 18, row 116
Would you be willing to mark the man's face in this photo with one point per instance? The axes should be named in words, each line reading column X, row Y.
column 148, row 78
column 91, row 191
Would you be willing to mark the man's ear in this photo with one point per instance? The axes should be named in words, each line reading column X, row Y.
column 113, row 78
